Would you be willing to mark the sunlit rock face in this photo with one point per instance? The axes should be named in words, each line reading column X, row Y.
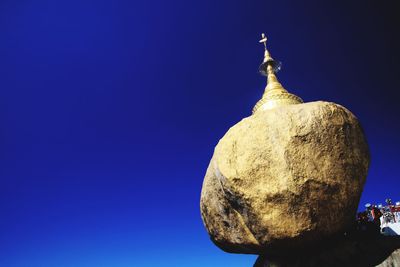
column 285, row 177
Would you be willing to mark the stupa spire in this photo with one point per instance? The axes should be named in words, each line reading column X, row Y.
column 275, row 95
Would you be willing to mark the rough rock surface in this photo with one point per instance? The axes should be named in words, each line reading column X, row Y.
column 285, row 177
column 392, row 261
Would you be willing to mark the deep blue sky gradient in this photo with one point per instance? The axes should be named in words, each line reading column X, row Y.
column 110, row 110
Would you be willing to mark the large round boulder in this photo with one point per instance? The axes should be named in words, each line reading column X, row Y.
column 285, row 177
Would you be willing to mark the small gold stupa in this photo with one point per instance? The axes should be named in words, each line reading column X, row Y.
column 275, row 95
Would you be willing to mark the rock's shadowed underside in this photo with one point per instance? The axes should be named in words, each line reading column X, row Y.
column 284, row 178
column 347, row 251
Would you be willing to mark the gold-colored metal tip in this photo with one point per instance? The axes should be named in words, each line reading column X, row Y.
column 275, row 95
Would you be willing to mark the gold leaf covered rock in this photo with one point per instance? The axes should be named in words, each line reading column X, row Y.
column 290, row 174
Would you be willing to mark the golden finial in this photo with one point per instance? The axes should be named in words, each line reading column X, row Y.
column 275, row 95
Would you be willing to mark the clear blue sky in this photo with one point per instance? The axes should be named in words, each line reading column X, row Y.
column 110, row 110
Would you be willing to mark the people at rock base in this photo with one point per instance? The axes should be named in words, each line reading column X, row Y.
column 391, row 212
column 380, row 214
column 374, row 216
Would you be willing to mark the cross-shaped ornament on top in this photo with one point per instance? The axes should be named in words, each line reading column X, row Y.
column 264, row 40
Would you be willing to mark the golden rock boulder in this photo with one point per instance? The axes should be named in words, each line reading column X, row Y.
column 287, row 176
